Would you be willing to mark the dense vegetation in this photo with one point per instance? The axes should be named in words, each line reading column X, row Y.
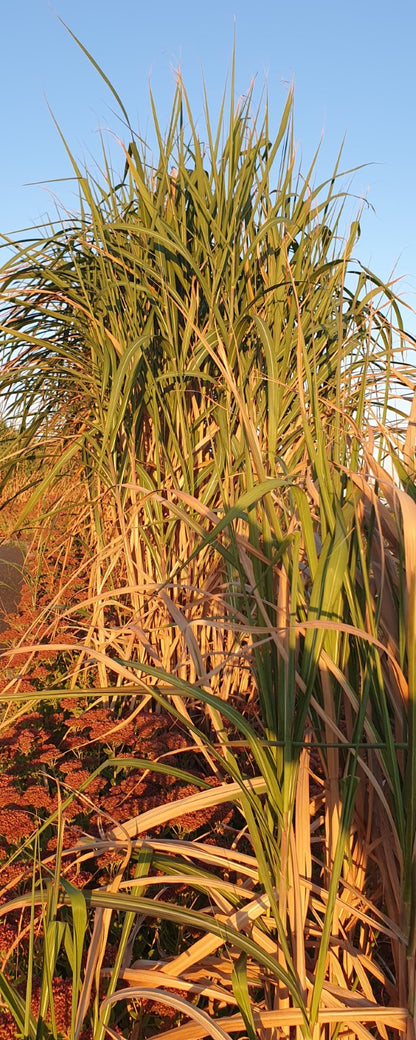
column 207, row 789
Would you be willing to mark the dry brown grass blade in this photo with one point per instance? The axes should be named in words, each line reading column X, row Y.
column 157, row 977
column 387, row 519
column 201, row 675
column 408, row 511
column 202, row 1020
column 393, row 1017
column 215, row 856
column 174, row 810
column 410, row 441
column 241, row 920
column 301, row 863
column 370, row 915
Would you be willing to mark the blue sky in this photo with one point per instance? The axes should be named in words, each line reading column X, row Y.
column 353, row 68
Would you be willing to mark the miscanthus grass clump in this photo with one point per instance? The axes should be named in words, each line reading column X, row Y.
column 213, row 453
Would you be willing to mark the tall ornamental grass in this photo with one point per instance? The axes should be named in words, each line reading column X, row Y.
column 215, row 395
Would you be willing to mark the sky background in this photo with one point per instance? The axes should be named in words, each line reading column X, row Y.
column 353, row 67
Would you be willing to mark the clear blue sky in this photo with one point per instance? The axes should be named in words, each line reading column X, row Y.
column 353, row 67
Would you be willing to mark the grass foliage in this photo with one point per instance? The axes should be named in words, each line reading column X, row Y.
column 213, row 461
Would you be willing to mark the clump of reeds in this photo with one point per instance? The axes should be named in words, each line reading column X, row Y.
column 213, row 395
